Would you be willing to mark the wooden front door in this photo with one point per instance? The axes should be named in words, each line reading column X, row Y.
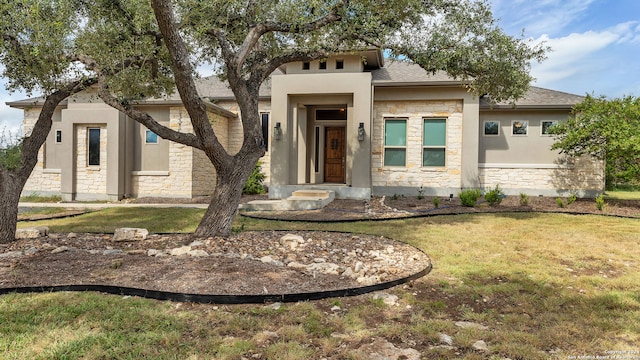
column 334, row 151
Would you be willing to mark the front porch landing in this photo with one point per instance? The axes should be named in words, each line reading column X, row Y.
column 299, row 200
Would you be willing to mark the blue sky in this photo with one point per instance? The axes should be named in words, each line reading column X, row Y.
column 595, row 46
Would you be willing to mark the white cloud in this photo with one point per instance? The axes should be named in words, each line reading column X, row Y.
column 584, row 58
column 538, row 17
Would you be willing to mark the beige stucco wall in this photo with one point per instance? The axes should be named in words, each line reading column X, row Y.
column 291, row 95
column 433, row 179
column 506, row 148
column 177, row 180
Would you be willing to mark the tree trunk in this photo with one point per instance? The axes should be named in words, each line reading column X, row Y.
column 218, row 219
column 11, row 188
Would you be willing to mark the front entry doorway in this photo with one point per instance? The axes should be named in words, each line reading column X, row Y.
column 334, row 155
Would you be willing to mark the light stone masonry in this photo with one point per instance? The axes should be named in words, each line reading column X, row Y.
column 585, row 174
column 42, row 180
column 414, row 174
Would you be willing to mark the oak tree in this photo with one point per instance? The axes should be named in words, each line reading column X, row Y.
column 607, row 129
column 249, row 39
column 49, row 47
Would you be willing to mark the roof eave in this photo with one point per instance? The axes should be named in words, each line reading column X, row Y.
column 516, row 107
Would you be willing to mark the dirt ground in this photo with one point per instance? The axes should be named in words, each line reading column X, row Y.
column 253, row 263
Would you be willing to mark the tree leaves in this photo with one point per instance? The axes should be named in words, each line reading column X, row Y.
column 608, row 129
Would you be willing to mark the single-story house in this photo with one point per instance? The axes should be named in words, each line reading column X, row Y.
column 351, row 123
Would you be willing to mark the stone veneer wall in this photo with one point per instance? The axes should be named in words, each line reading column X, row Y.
column 177, row 182
column 42, row 181
column 410, row 177
column 90, row 179
column 236, row 135
column 204, row 174
column 585, row 176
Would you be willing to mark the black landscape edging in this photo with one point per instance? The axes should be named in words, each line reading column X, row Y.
column 218, row 299
column 416, row 214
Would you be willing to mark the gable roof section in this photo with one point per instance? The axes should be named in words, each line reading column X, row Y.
column 536, row 98
column 394, row 73
column 403, row 73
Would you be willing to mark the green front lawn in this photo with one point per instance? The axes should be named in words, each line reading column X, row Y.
column 545, row 285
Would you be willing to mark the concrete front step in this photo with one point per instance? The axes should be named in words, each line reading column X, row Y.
column 299, row 200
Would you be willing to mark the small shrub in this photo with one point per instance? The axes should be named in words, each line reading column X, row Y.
column 469, row 197
column 494, row 196
column 420, row 193
column 254, row 184
column 436, row 201
column 572, row 198
column 396, row 196
column 600, row 204
column 524, row 199
column 559, row 202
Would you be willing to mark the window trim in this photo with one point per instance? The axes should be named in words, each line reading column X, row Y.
column 58, row 137
column 484, row 128
column 385, row 146
column 553, row 122
column 146, row 138
column 526, row 125
column 89, row 130
column 443, row 147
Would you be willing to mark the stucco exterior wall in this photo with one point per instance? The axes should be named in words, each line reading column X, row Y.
column 177, row 181
column 407, row 179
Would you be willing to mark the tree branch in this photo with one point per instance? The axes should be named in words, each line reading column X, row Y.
column 146, row 119
column 184, row 82
column 257, row 31
column 32, row 143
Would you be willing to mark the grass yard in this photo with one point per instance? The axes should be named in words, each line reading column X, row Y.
column 545, row 286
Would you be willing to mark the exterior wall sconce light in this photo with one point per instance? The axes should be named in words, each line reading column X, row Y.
column 277, row 132
column 361, row 132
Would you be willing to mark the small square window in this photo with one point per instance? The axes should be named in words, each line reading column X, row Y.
column 323, row 65
column 492, row 128
column 306, row 65
column 546, row 125
column 339, row 64
column 519, row 127
column 58, row 136
column 151, row 137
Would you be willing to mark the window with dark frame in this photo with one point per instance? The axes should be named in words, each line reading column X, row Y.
column 323, row 65
column 339, row 64
column 395, row 142
column 58, row 136
column 546, row 125
column 306, row 65
column 491, row 128
column 93, row 146
column 519, row 127
column 434, row 142
column 265, row 130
